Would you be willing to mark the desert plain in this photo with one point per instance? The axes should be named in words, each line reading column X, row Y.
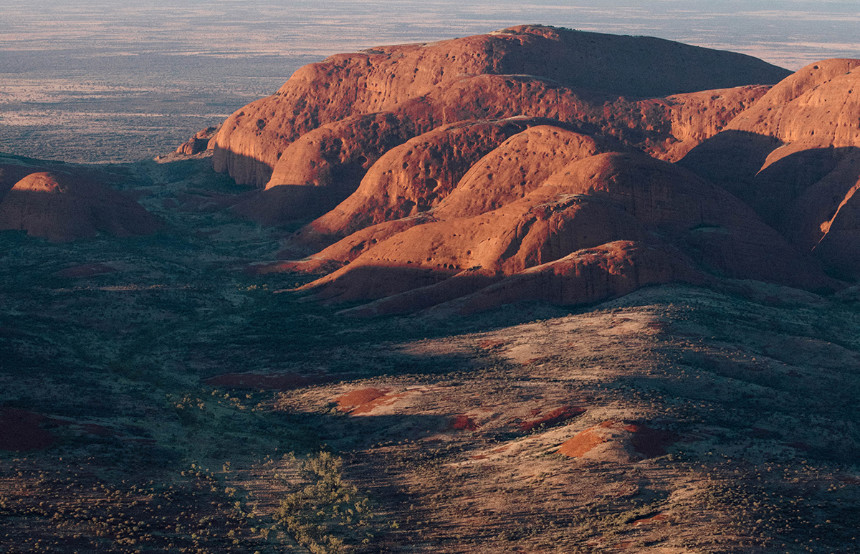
column 478, row 295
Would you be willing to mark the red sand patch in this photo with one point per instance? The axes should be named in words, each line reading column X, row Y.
column 554, row 417
column 362, row 401
column 273, row 381
column 581, row 443
column 645, row 441
column 20, row 430
column 463, row 423
column 86, row 270
column 488, row 344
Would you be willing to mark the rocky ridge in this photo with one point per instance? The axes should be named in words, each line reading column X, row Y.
column 525, row 70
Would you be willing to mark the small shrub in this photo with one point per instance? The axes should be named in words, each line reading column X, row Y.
column 327, row 512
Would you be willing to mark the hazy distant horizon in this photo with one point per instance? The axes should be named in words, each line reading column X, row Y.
column 78, row 79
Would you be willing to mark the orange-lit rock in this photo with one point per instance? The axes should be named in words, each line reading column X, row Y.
column 388, row 78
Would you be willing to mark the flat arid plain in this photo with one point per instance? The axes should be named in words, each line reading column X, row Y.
column 535, row 290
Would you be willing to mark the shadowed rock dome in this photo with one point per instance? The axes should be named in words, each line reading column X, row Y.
column 63, row 206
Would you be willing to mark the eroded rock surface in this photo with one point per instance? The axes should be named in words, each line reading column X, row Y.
column 448, row 81
column 496, row 168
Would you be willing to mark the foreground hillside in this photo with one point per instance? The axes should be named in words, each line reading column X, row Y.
column 153, row 392
column 470, row 296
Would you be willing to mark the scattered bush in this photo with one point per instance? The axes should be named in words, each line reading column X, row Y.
column 327, row 514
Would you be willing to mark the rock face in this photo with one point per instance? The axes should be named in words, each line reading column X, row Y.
column 599, row 227
column 539, row 164
column 13, row 169
column 816, row 106
column 515, row 168
column 796, row 160
column 461, row 79
column 198, row 143
column 417, row 175
column 63, row 206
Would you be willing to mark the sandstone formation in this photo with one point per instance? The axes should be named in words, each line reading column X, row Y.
column 518, row 166
column 63, row 206
column 449, row 81
column 198, row 143
column 15, row 168
column 794, row 159
column 508, row 172
column 417, row 175
column 323, row 167
column 599, row 227
column 697, row 116
column 817, row 105
column 10, row 174
column 537, row 163
column 339, row 153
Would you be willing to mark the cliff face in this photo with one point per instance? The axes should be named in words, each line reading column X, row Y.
column 572, row 64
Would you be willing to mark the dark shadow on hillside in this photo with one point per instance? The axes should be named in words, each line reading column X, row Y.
column 289, row 204
column 82, row 212
column 734, row 160
column 244, row 169
column 800, row 175
column 731, row 159
column 798, row 193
